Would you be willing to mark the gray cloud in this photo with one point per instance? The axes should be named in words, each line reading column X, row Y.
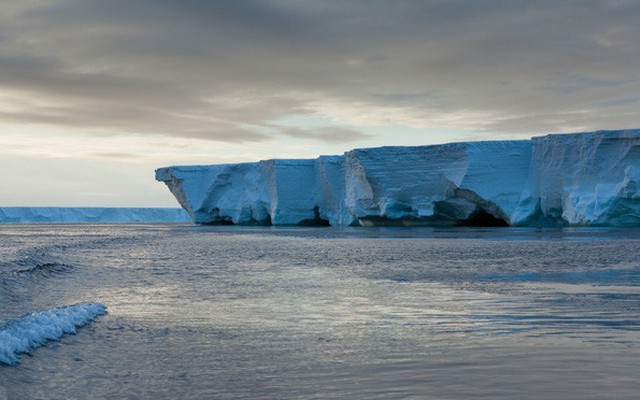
column 327, row 135
column 114, row 155
column 226, row 70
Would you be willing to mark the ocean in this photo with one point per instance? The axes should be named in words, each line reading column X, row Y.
column 164, row 311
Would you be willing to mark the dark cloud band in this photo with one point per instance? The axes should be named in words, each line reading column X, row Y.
column 226, row 70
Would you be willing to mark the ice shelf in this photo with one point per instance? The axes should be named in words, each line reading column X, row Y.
column 553, row 180
column 91, row 215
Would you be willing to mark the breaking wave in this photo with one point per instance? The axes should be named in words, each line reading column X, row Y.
column 31, row 331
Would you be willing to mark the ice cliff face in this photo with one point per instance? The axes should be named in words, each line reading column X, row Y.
column 90, row 215
column 568, row 179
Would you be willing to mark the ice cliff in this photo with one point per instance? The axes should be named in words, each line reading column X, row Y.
column 90, row 214
column 559, row 179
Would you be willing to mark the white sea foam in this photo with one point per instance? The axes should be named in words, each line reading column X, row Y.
column 30, row 331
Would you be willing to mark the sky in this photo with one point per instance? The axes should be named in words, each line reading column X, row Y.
column 94, row 94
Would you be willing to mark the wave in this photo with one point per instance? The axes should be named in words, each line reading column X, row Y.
column 48, row 267
column 17, row 280
column 30, row 262
column 31, row 331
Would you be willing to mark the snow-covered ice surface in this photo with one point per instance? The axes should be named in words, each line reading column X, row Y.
column 554, row 180
column 91, row 214
column 31, row 331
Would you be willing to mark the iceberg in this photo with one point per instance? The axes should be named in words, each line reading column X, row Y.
column 581, row 179
column 91, row 215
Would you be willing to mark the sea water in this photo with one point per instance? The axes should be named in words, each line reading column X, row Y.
column 182, row 311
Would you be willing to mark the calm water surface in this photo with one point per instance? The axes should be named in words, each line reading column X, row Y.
column 228, row 312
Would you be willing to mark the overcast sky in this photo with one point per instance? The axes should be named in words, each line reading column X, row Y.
column 96, row 94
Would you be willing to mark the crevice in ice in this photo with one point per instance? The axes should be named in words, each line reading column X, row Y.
column 217, row 219
column 255, row 222
column 316, row 220
column 463, row 208
column 221, row 221
column 540, row 219
column 467, row 208
column 480, row 218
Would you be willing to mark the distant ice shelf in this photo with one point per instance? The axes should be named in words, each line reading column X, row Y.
column 582, row 179
column 91, row 215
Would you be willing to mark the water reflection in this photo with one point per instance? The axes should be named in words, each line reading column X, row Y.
column 217, row 312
